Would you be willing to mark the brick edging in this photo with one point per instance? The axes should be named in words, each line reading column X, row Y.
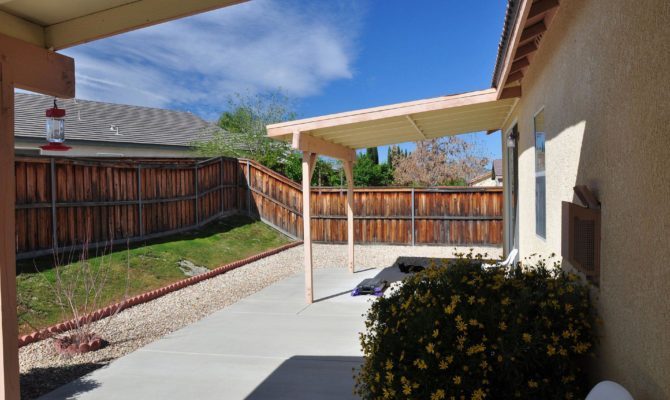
column 147, row 296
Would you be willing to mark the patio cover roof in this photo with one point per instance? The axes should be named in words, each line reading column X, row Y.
column 60, row 24
column 405, row 122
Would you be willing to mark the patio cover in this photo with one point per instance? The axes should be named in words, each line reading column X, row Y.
column 59, row 24
column 482, row 110
column 339, row 135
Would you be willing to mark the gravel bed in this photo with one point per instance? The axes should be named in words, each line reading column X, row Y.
column 42, row 370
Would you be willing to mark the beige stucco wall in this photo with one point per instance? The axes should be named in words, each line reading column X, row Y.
column 602, row 75
column 92, row 150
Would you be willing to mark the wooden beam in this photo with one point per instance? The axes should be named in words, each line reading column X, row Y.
column 541, row 7
column 511, row 92
column 307, row 170
column 22, row 29
column 9, row 346
column 123, row 18
column 533, row 31
column 415, row 126
column 349, row 171
column 519, row 64
column 525, row 50
column 311, row 144
column 515, row 76
column 36, row 69
column 383, row 112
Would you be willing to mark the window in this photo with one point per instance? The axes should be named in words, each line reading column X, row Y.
column 540, row 177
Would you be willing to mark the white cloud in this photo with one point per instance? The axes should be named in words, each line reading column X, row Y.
column 198, row 61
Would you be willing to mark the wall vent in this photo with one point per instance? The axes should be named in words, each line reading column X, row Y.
column 581, row 239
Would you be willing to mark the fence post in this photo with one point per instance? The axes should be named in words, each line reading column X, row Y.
column 197, row 206
column 222, row 189
column 248, row 188
column 413, row 230
column 139, row 199
column 54, row 217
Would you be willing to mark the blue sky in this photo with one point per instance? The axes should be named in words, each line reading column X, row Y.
column 327, row 55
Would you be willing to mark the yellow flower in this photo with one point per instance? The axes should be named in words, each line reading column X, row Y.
column 444, row 365
column 419, row 363
column 532, row 384
column 527, row 337
column 438, row 395
column 389, row 364
column 389, row 376
column 457, row 380
column 406, row 389
column 551, row 350
column 502, row 325
column 478, row 395
column 479, row 348
column 505, row 301
column 430, row 348
column 436, row 333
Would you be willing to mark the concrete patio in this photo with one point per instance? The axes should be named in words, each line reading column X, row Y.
column 270, row 345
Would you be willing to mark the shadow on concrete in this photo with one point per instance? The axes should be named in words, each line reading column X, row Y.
column 40, row 381
column 310, row 377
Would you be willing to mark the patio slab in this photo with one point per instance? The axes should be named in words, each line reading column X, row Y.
column 270, row 345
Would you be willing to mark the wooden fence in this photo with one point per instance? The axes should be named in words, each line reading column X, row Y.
column 64, row 202
column 452, row 216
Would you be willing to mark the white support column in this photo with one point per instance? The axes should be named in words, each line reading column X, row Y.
column 308, row 162
column 349, row 171
column 9, row 349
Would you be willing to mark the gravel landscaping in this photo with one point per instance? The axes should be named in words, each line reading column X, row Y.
column 42, row 370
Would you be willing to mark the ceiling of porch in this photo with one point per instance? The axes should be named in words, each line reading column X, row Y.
column 404, row 122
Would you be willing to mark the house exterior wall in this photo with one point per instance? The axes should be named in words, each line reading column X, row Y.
column 487, row 183
column 80, row 149
column 602, row 76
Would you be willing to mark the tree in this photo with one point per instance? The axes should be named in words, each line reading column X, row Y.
column 243, row 133
column 373, row 154
column 369, row 173
column 326, row 173
column 394, row 155
column 435, row 162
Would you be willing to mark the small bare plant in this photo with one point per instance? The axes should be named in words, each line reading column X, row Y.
column 78, row 289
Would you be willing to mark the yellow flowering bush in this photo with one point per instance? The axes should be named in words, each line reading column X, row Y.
column 460, row 331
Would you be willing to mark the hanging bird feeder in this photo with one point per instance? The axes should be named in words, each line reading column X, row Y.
column 55, row 126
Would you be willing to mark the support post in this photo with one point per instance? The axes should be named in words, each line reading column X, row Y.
column 413, row 229
column 222, row 191
column 349, row 171
column 54, row 215
column 139, row 200
column 9, row 346
column 248, row 188
column 308, row 161
column 197, row 206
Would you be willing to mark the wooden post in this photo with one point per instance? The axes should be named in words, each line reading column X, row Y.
column 197, row 206
column 9, row 347
column 412, row 207
column 349, row 171
column 54, row 215
column 248, row 188
column 308, row 162
column 139, row 200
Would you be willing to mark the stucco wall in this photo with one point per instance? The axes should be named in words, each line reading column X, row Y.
column 602, row 75
column 93, row 150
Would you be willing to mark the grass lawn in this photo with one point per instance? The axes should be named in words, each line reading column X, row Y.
column 150, row 265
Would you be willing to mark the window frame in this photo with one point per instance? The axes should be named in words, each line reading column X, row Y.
column 543, row 174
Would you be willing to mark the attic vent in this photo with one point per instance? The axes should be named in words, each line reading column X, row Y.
column 581, row 239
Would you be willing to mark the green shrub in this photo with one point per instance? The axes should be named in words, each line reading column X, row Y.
column 459, row 331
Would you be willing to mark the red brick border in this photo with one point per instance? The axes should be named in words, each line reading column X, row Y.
column 148, row 296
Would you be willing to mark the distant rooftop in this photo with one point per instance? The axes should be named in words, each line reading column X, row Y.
column 99, row 122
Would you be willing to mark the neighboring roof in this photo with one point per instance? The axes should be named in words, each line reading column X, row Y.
column 61, row 24
column 497, row 170
column 480, row 178
column 92, row 120
column 404, row 122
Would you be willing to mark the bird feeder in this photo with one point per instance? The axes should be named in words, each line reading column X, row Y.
column 55, row 129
